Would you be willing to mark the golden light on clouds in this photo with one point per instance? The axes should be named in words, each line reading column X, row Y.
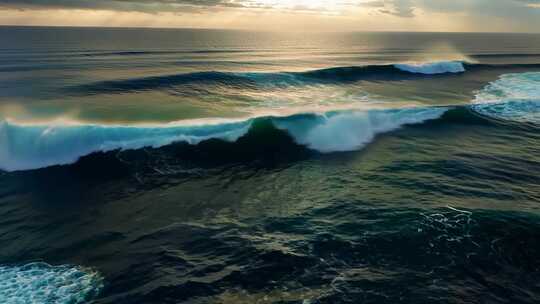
column 300, row 4
column 282, row 15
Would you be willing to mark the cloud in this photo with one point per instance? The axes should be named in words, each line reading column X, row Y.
column 530, row 3
column 426, row 15
column 399, row 8
column 182, row 5
column 504, row 8
column 123, row 5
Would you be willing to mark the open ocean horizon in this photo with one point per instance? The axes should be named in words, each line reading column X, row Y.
column 144, row 165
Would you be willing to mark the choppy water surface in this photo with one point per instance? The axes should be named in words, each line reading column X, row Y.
column 190, row 166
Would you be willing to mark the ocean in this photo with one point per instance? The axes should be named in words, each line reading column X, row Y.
column 212, row 166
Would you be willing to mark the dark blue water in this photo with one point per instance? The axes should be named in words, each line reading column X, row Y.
column 190, row 166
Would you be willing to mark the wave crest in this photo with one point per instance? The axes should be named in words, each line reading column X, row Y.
column 25, row 147
column 349, row 131
column 431, row 68
column 270, row 80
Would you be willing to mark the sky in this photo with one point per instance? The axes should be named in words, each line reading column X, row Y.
column 282, row 15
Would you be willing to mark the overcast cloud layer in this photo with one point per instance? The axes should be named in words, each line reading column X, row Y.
column 519, row 14
column 404, row 8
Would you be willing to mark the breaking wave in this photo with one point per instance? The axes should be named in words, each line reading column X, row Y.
column 514, row 97
column 343, row 75
column 431, row 68
column 348, row 131
column 43, row 283
column 260, row 80
column 25, row 147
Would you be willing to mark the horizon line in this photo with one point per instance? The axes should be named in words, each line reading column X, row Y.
column 255, row 31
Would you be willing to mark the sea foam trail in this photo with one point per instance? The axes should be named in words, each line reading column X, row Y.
column 43, row 283
column 25, row 147
column 514, row 97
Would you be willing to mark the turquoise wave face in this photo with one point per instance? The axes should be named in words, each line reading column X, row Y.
column 43, row 283
column 514, row 97
column 36, row 146
column 26, row 147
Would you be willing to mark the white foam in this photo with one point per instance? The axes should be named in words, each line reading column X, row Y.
column 348, row 131
column 430, row 68
column 24, row 147
column 514, row 97
column 41, row 283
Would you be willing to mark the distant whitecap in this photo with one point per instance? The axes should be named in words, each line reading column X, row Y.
column 430, row 68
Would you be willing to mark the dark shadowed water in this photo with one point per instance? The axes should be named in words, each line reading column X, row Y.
column 198, row 166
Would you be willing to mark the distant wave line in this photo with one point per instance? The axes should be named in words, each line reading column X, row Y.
column 258, row 80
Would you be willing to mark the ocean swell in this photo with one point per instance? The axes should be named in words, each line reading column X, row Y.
column 25, row 147
column 270, row 80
